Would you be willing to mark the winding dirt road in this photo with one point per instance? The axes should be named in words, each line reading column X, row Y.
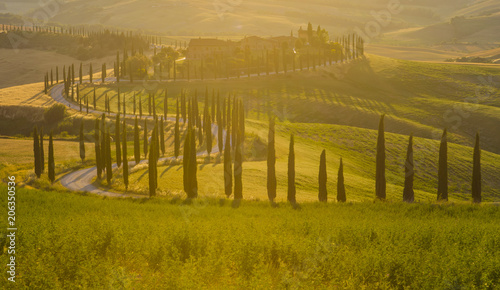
column 81, row 180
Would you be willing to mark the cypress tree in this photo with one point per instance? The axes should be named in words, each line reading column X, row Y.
column 109, row 168
column 42, row 153
column 117, row 141
column 137, row 145
column 185, row 162
column 162, row 137
column 81, row 73
column 149, row 104
column 241, row 120
column 443, row 168
column 36, row 151
column 145, row 138
column 183, row 107
column 291, row 172
column 238, row 171
column 152, row 165
column 51, row 164
column 380, row 182
column 124, row 107
column 154, row 105
column 90, row 73
column 97, row 149
column 87, row 104
column 118, row 101
column 408, row 193
column 235, row 123
column 208, row 130
column 125, row 157
column 95, row 101
column 57, row 74
column 476, row 172
column 177, row 141
column 341, row 197
column 213, row 106
column 165, row 108
column 82, row 142
column 157, row 137
column 103, row 72
column 140, row 107
column 103, row 144
column 271, row 162
column 220, row 137
column 322, row 178
column 193, row 168
column 228, row 170
column 134, row 104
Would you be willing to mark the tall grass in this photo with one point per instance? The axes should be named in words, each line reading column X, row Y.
column 70, row 241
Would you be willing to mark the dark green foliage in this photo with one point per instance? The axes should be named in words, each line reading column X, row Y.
column 408, row 193
column 137, row 145
column 118, row 101
column 103, row 144
column 193, row 168
column 380, row 182
column 183, row 107
column 341, row 196
column 103, row 72
column 134, row 104
column 82, row 142
column 145, row 143
column 140, row 107
column 443, row 168
column 125, row 157
column 51, row 164
column 152, row 165
column 476, row 172
column 54, row 114
column 109, row 168
column 271, row 161
column 117, row 141
column 90, row 73
column 95, row 100
column 36, row 152
column 162, row 137
column 322, row 178
column 238, row 170
column 208, row 133
column 42, row 153
column 228, row 170
column 97, row 147
column 185, row 161
column 291, row 172
column 177, row 141
column 149, row 104
column 165, row 106
column 81, row 73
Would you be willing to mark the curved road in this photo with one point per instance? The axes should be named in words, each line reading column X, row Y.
column 81, row 180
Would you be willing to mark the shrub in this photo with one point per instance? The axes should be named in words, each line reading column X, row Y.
column 55, row 114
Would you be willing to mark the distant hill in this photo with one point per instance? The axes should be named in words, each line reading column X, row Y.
column 461, row 29
column 196, row 17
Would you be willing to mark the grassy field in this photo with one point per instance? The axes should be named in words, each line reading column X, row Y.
column 356, row 147
column 74, row 241
column 27, row 66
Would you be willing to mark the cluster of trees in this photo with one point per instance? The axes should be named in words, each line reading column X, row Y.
column 82, row 42
column 38, row 151
column 442, row 191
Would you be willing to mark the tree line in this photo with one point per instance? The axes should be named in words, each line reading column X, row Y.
column 233, row 122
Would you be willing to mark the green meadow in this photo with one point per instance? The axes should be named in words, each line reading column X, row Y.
column 78, row 241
